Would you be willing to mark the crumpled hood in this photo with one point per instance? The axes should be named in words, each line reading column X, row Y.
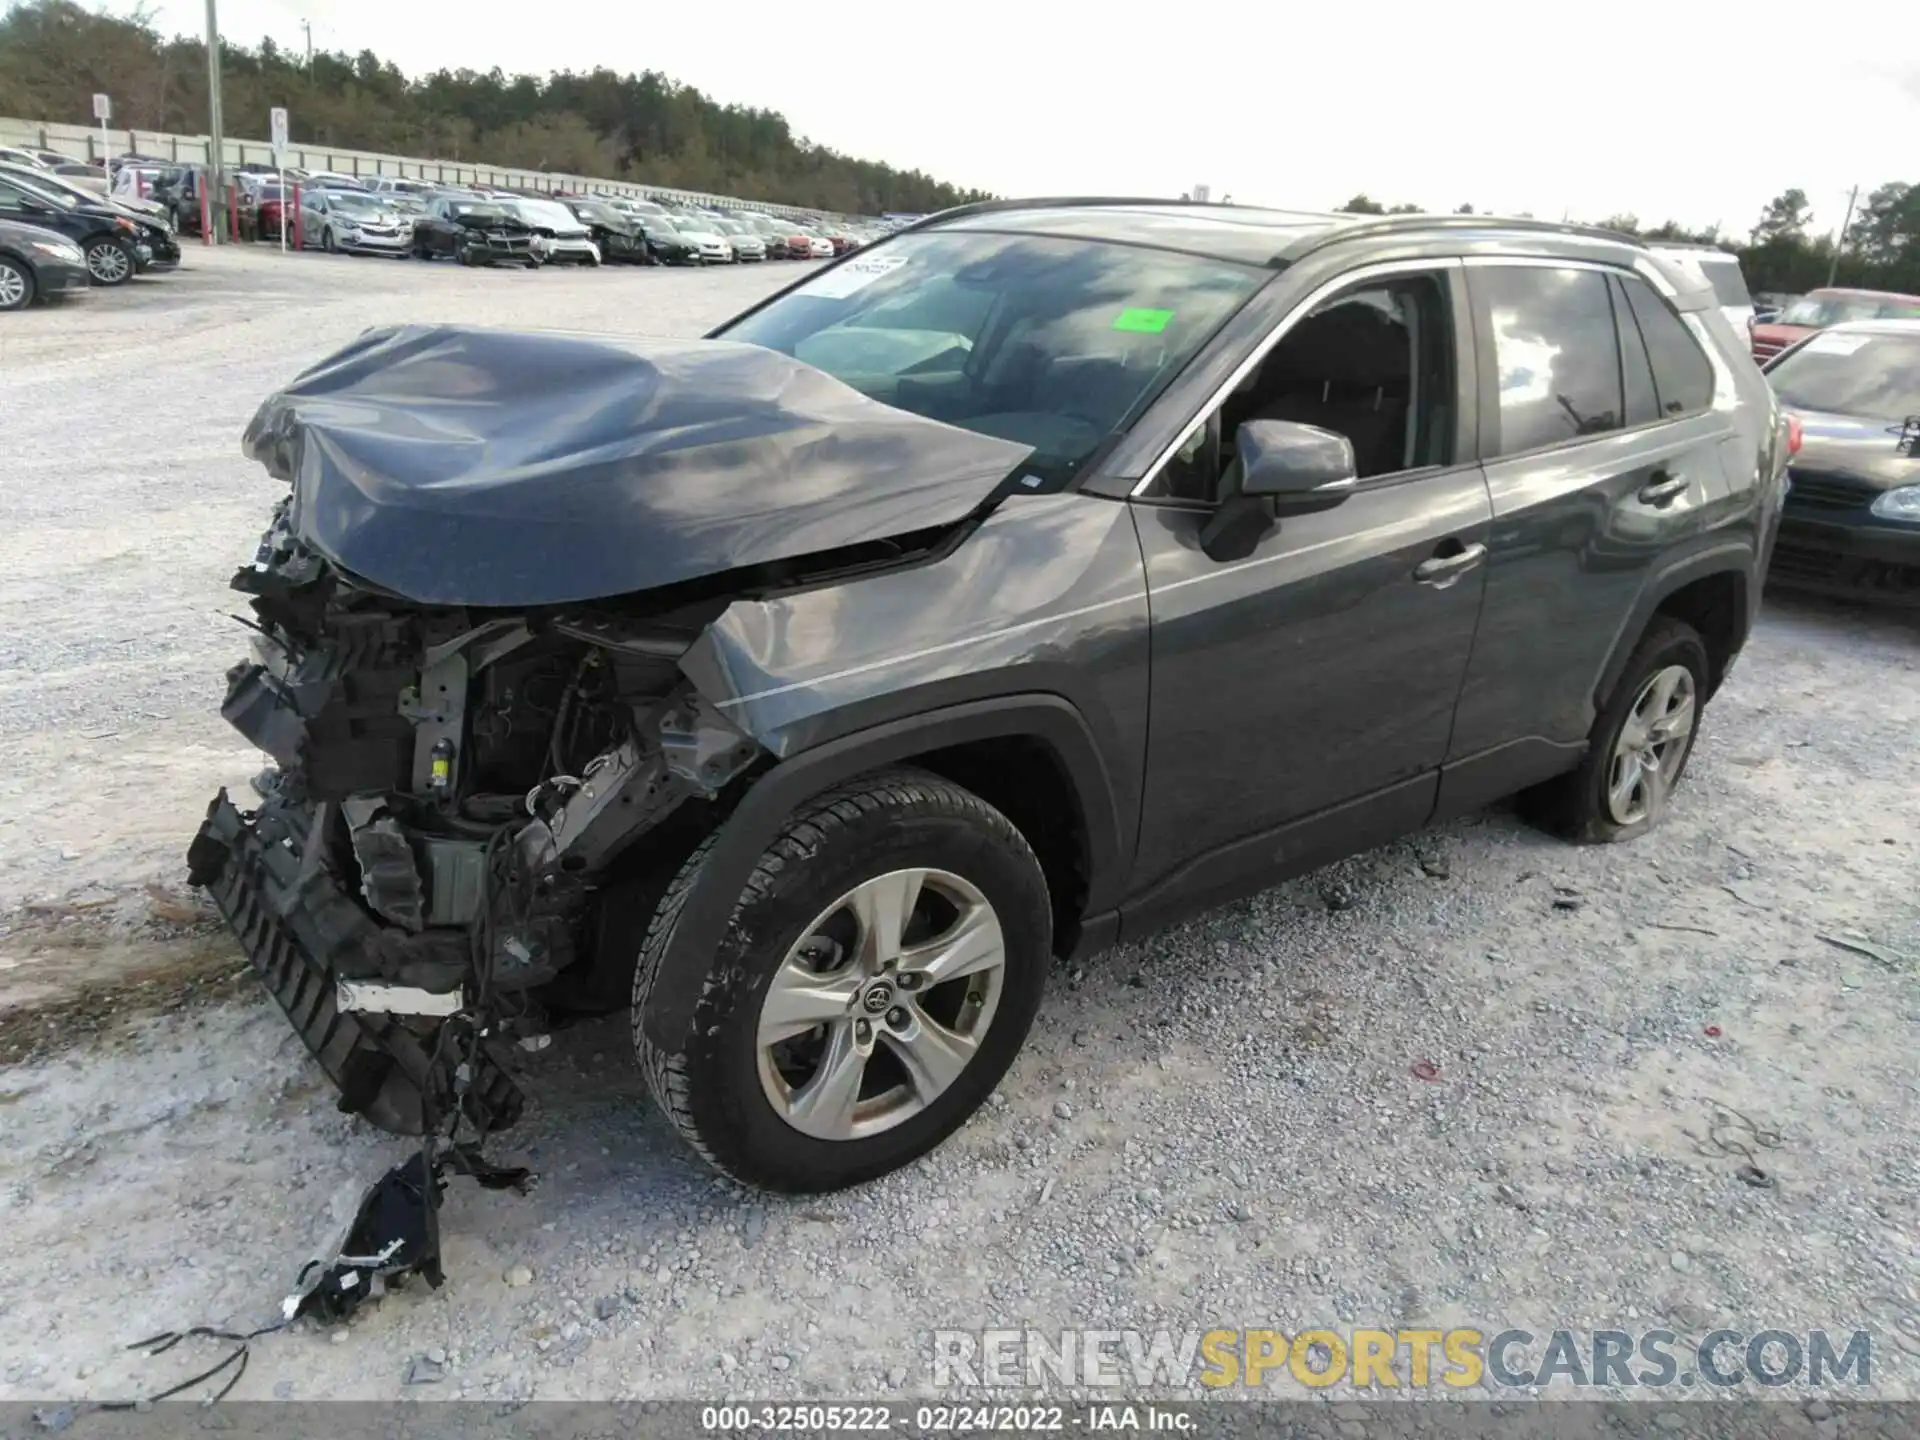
column 1863, row 449
column 490, row 222
column 464, row 466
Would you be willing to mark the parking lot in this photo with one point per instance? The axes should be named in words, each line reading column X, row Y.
column 1477, row 1078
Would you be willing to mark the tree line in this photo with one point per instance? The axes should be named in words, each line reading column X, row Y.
column 55, row 55
column 1779, row 255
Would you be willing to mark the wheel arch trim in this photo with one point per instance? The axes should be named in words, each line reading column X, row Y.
column 772, row 799
column 1734, row 558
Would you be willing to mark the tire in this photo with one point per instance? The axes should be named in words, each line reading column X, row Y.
column 17, row 285
column 1667, row 671
column 326, row 241
column 109, row 262
column 739, row 1104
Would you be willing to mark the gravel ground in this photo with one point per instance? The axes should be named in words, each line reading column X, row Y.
column 1227, row 1126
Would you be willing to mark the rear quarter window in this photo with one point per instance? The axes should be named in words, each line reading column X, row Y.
column 1729, row 285
column 1682, row 374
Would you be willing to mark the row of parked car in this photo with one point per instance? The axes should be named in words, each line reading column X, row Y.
column 476, row 226
column 61, row 232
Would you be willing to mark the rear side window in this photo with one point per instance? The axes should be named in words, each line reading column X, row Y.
column 1729, row 285
column 1682, row 374
column 1556, row 353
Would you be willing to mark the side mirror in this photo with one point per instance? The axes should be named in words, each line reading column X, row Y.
column 1279, row 468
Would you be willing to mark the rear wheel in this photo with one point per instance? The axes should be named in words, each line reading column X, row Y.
column 327, row 242
column 109, row 261
column 879, row 974
column 16, row 284
column 1639, row 746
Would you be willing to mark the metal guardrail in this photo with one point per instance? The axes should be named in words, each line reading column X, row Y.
column 83, row 143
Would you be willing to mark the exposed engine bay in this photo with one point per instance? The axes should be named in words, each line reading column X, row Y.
column 465, row 780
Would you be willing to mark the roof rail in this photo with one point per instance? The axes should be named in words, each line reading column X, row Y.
column 1386, row 224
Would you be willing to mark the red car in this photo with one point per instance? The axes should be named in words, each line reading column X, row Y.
column 1818, row 309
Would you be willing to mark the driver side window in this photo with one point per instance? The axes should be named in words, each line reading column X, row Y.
column 1374, row 363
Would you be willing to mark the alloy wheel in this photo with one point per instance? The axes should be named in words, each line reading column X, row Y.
column 108, row 263
column 13, row 288
column 881, row 1004
column 1653, row 741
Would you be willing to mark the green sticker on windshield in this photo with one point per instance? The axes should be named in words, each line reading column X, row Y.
column 1143, row 322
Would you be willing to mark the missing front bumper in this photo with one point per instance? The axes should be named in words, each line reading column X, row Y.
column 304, row 936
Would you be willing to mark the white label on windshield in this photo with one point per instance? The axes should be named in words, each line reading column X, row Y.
column 852, row 275
column 1836, row 344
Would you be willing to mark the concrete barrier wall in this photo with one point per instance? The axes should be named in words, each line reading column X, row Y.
column 83, row 143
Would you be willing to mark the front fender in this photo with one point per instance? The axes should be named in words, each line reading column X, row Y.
column 776, row 794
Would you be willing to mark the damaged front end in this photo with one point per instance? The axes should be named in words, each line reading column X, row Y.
column 451, row 789
column 470, row 611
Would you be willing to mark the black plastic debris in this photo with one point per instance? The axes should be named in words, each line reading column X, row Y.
column 394, row 1234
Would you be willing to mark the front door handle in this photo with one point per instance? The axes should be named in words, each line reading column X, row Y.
column 1663, row 488
column 1442, row 570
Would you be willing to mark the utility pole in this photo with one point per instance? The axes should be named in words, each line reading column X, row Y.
column 307, row 25
column 1833, row 266
column 216, row 174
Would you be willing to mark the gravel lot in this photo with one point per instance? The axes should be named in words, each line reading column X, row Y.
column 1222, row 1127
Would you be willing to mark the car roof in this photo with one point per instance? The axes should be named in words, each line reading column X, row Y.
column 1891, row 326
column 1248, row 234
column 1855, row 290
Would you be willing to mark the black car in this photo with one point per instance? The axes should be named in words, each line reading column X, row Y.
column 473, row 232
column 1044, row 573
column 38, row 264
column 619, row 239
column 1851, row 522
column 117, row 247
column 665, row 245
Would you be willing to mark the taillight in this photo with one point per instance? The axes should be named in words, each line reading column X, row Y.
column 1793, row 434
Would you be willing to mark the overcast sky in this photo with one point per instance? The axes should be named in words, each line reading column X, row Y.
column 1698, row 110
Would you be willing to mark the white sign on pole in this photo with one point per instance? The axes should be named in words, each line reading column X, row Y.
column 277, row 122
column 103, row 111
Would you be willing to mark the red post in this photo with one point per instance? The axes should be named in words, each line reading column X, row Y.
column 206, row 215
column 299, row 229
column 233, row 212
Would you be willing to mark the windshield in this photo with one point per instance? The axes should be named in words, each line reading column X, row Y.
column 355, row 202
column 660, row 229
column 545, row 212
column 42, row 182
column 41, row 188
column 1871, row 375
column 475, row 210
column 599, row 214
column 1051, row 343
column 1820, row 311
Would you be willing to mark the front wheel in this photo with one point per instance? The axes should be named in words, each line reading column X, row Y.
column 109, row 262
column 327, row 242
column 879, row 974
column 16, row 285
column 1639, row 745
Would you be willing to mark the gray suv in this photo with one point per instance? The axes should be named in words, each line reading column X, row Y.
column 1037, row 576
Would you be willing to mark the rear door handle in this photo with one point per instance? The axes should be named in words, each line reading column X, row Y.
column 1663, row 488
column 1442, row 570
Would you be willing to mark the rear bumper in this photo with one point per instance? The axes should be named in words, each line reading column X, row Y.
column 1859, row 559
column 267, row 873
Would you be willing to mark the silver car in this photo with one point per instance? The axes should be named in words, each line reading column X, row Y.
column 559, row 237
column 352, row 222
